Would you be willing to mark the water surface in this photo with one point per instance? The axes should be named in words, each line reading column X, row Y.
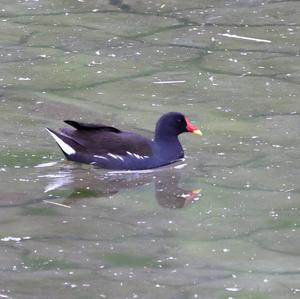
column 226, row 225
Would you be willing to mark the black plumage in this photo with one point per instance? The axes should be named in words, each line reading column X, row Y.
column 111, row 148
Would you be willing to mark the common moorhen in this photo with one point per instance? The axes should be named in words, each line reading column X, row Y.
column 111, row 148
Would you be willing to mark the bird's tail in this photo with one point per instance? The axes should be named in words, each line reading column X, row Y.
column 68, row 146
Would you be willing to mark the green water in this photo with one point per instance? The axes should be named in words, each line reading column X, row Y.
column 72, row 231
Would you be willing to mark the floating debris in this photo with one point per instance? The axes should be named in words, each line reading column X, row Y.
column 245, row 37
column 169, row 82
column 24, row 79
column 48, row 164
column 232, row 289
column 56, row 204
column 180, row 166
column 15, row 239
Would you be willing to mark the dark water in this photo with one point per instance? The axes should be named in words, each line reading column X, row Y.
column 222, row 224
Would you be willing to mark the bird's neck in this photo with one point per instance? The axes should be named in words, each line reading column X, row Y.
column 168, row 147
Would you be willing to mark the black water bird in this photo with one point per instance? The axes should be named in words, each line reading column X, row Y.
column 110, row 148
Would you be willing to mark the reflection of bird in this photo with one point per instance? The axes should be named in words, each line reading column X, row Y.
column 110, row 148
column 169, row 195
column 167, row 192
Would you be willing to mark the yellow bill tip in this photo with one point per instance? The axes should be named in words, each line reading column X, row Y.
column 196, row 191
column 198, row 132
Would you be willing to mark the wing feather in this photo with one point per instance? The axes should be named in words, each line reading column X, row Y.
column 90, row 126
column 99, row 139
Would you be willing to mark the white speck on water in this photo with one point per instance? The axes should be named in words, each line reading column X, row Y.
column 48, row 164
column 234, row 289
column 180, row 166
column 15, row 239
column 266, row 280
column 24, row 79
column 226, row 250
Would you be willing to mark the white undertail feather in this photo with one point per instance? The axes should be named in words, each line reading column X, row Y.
column 64, row 146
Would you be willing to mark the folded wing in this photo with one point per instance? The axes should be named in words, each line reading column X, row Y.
column 99, row 139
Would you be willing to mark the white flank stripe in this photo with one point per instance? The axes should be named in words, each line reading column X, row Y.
column 120, row 157
column 65, row 147
column 100, row 157
column 116, row 156
column 137, row 156
column 245, row 37
column 112, row 155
